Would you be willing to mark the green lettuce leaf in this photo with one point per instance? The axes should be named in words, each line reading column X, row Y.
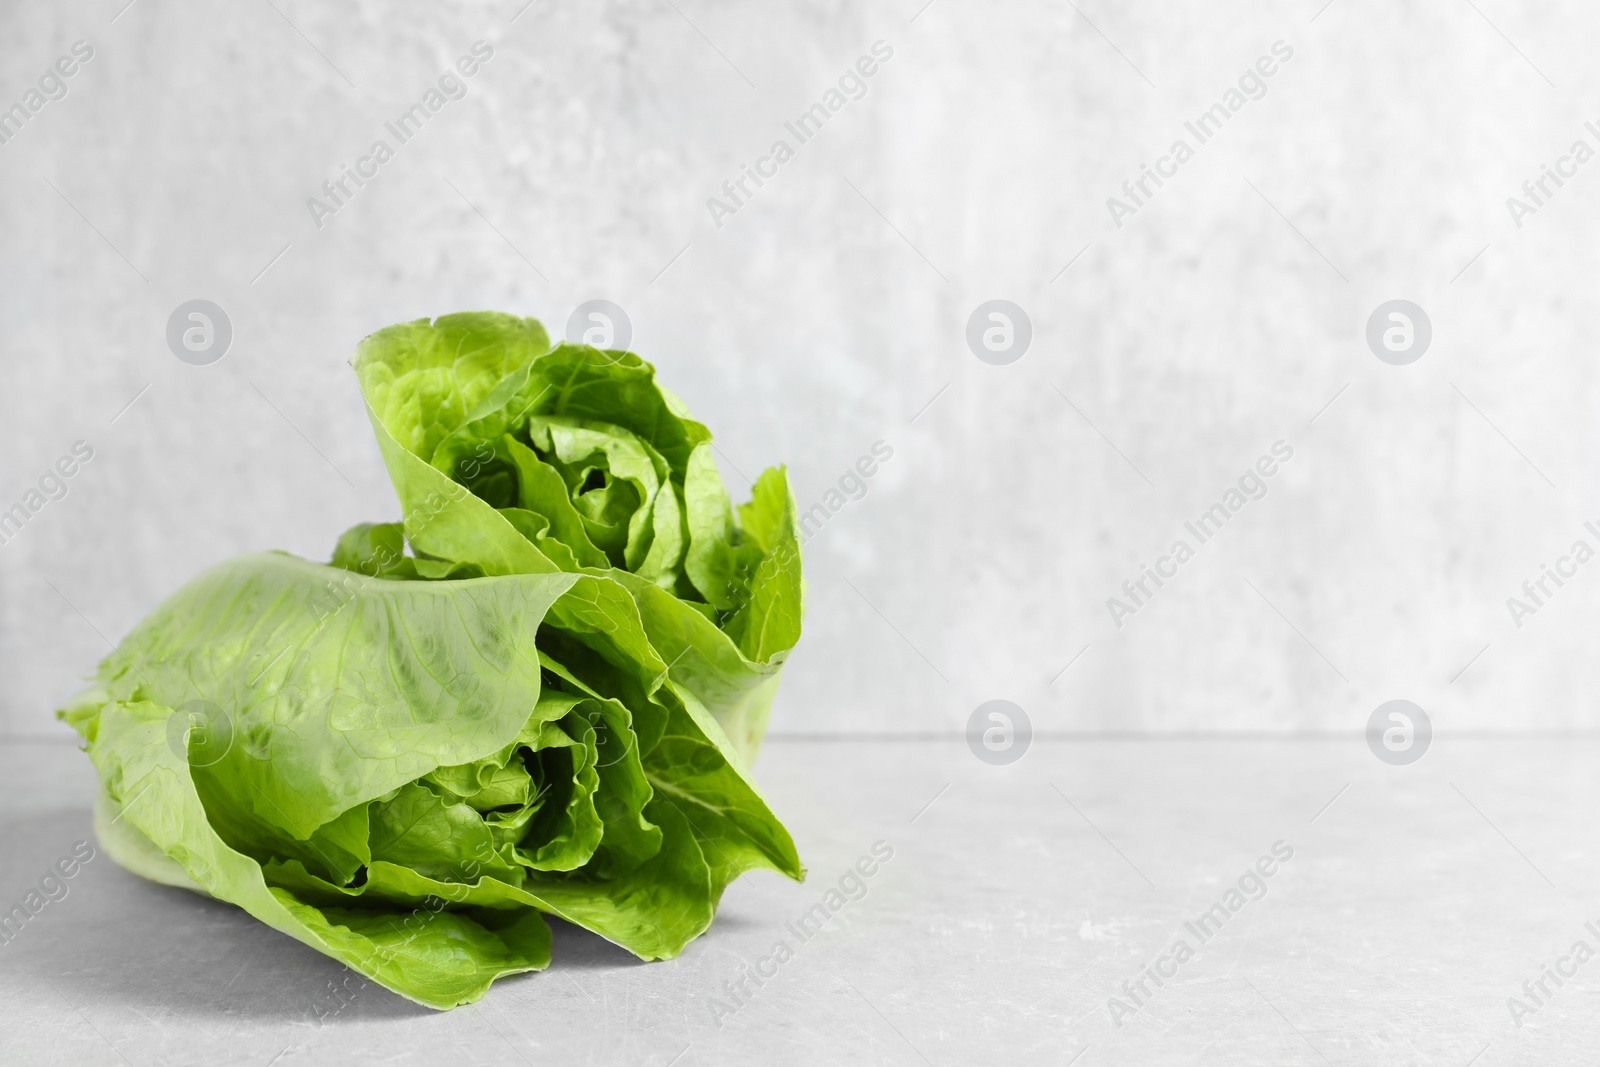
column 432, row 955
column 625, row 483
column 374, row 750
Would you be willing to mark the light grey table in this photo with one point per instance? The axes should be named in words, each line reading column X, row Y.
column 1018, row 901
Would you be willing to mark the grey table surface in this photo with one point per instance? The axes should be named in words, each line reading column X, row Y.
column 1017, row 903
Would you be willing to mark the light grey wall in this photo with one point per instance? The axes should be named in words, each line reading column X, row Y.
column 825, row 314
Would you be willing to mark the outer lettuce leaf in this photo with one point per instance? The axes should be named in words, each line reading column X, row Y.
column 652, row 911
column 715, row 563
column 436, row 957
column 445, row 521
column 767, row 625
column 707, row 667
column 338, row 688
column 459, row 748
column 694, row 770
column 423, row 379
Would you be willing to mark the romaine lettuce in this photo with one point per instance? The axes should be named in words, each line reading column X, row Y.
column 549, row 706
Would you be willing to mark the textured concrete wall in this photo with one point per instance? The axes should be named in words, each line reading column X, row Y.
column 828, row 310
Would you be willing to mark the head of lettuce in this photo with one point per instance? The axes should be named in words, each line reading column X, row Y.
column 549, row 705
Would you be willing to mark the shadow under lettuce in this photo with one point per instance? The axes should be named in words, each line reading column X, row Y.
column 104, row 938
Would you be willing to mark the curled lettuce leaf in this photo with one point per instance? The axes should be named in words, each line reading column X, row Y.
column 576, row 460
column 445, row 751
